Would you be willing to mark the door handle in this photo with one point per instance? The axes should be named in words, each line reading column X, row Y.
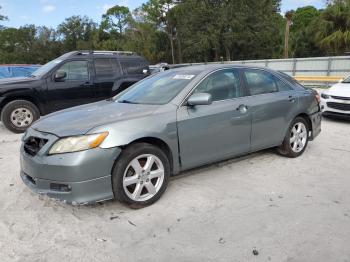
column 291, row 99
column 87, row 84
column 242, row 108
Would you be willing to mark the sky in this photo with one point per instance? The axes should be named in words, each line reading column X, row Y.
column 53, row 12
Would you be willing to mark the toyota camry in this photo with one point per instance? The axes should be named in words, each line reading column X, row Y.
column 127, row 147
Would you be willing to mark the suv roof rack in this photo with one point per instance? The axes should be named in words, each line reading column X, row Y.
column 98, row 52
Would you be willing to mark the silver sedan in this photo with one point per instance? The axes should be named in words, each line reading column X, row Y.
column 127, row 147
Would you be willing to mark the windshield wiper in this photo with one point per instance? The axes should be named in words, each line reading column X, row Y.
column 127, row 102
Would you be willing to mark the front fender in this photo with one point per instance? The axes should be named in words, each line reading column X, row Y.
column 161, row 126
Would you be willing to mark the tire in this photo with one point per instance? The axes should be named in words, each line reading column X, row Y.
column 301, row 140
column 136, row 182
column 18, row 122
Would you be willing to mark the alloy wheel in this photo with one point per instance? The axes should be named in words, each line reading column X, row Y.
column 298, row 137
column 143, row 177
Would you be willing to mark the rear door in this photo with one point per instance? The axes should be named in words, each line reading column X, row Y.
column 75, row 89
column 273, row 105
column 208, row 133
column 108, row 77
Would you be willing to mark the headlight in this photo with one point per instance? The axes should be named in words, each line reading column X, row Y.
column 323, row 95
column 77, row 143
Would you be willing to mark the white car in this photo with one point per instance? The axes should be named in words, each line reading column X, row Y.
column 336, row 100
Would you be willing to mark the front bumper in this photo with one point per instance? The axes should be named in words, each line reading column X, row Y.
column 335, row 107
column 75, row 178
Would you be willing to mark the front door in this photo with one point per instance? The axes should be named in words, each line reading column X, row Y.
column 208, row 133
column 74, row 89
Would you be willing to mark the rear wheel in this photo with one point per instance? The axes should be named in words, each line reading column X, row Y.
column 140, row 176
column 18, row 115
column 296, row 140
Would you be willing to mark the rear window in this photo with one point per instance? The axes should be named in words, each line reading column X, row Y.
column 106, row 68
column 133, row 66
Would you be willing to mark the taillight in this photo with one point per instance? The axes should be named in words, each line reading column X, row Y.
column 318, row 98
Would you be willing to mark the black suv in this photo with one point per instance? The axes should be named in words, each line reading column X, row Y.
column 73, row 79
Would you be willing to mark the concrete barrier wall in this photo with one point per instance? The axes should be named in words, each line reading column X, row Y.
column 318, row 71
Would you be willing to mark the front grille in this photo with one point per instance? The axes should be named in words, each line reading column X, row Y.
column 339, row 106
column 341, row 97
column 33, row 145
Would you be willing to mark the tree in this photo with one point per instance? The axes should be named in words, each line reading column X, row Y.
column 333, row 34
column 288, row 16
column 116, row 18
column 305, row 23
column 211, row 30
column 77, row 32
column 159, row 12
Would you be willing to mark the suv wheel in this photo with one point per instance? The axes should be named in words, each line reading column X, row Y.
column 140, row 176
column 18, row 115
column 296, row 140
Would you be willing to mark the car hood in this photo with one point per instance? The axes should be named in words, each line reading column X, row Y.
column 340, row 89
column 79, row 120
column 16, row 80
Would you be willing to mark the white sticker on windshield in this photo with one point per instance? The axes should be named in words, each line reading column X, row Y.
column 184, row 77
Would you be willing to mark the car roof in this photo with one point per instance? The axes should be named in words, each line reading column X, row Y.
column 207, row 68
column 103, row 54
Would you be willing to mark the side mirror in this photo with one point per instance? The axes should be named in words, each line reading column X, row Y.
column 145, row 71
column 60, row 75
column 199, row 99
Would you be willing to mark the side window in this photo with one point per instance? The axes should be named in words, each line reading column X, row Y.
column 221, row 85
column 75, row 70
column 282, row 86
column 104, row 68
column 117, row 68
column 260, row 82
column 132, row 66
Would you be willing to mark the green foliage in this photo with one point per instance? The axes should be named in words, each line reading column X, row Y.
column 77, row 32
column 193, row 30
column 305, row 22
column 116, row 18
column 334, row 30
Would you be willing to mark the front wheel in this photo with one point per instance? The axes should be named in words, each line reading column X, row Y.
column 18, row 115
column 140, row 175
column 296, row 140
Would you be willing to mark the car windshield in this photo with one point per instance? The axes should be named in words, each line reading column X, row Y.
column 347, row 80
column 45, row 68
column 158, row 89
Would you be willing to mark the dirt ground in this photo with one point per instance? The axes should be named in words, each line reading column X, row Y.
column 262, row 207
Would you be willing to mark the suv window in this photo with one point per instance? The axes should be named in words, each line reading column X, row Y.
column 75, row 70
column 133, row 66
column 104, row 68
column 221, row 85
column 260, row 82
